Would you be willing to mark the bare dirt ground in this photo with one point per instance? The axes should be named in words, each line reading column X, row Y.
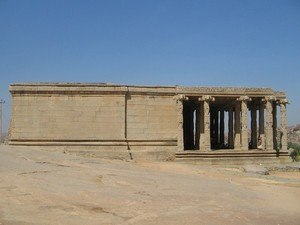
column 43, row 187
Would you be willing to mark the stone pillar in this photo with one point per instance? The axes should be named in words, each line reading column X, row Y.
column 244, row 130
column 253, row 127
column 275, row 125
column 230, row 128
column 205, row 136
column 202, row 126
column 237, row 123
column 261, row 143
column 180, row 142
column 222, row 127
column 269, row 122
column 283, row 103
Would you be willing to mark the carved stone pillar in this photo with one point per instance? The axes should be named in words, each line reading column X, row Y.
column 283, row 103
column 253, row 127
column 202, row 126
column 269, row 122
column 205, row 136
column 230, row 128
column 274, row 112
column 237, row 124
column 261, row 142
column 180, row 142
column 244, row 130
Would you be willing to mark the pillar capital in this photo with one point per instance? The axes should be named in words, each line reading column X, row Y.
column 180, row 98
column 270, row 98
column 283, row 101
column 244, row 98
column 206, row 98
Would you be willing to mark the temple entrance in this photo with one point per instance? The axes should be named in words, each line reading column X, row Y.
column 191, row 130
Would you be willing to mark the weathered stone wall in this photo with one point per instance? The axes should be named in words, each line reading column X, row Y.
column 151, row 118
column 95, row 119
column 67, row 117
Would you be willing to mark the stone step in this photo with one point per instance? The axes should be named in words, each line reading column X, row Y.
column 230, row 154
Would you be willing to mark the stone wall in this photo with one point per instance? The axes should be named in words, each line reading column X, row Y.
column 151, row 118
column 97, row 118
column 68, row 117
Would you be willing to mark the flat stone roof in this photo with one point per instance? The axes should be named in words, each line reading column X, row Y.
column 90, row 88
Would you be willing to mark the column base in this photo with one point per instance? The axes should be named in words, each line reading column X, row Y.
column 205, row 149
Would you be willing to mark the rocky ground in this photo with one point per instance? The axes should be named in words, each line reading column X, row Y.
column 294, row 134
column 42, row 187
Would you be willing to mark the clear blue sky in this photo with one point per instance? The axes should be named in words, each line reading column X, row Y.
column 205, row 43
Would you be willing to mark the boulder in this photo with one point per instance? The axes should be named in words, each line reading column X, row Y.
column 256, row 169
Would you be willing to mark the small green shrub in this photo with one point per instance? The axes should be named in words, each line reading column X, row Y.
column 295, row 154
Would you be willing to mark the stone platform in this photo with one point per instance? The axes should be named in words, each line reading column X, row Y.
column 235, row 156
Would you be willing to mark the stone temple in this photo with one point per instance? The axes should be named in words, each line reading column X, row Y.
column 150, row 122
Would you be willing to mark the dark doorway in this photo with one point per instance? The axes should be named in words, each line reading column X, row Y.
column 190, row 128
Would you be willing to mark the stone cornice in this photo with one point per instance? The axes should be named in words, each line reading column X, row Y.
column 88, row 89
column 225, row 91
column 106, row 88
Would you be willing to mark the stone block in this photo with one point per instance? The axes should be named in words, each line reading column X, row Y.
column 256, row 169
